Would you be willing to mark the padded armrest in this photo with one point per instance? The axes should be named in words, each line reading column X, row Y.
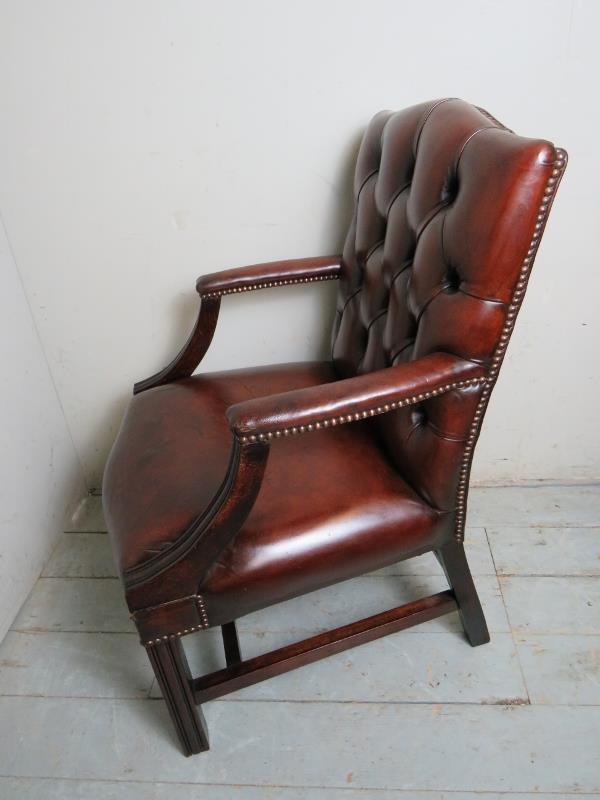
column 273, row 273
column 352, row 398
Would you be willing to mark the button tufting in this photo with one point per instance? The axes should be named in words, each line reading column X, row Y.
column 435, row 250
column 449, row 190
column 452, row 280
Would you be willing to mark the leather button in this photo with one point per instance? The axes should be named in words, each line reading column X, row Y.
column 450, row 190
column 452, row 280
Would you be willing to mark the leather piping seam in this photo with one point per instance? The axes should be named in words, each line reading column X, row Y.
column 426, row 116
column 407, row 265
column 377, row 316
column 396, row 353
column 374, row 248
column 497, row 122
column 371, row 412
column 406, row 186
column 269, row 284
column 492, row 300
column 349, row 299
column 369, row 176
column 498, row 357
column 201, row 608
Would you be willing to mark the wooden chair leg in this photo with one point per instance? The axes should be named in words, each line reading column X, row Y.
column 231, row 643
column 173, row 675
column 454, row 563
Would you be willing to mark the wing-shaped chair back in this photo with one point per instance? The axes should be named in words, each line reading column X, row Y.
column 449, row 209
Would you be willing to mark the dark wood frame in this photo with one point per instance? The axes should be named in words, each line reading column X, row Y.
column 179, row 569
column 186, row 564
column 184, row 694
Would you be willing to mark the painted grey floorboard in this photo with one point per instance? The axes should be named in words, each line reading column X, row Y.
column 561, row 669
column 386, row 745
column 425, row 667
column 553, row 605
column 83, row 555
column 89, row 517
column 535, row 506
column 352, row 600
column 418, row 715
column 51, row 789
column 88, row 604
column 545, row 551
column 75, row 604
column 74, row 665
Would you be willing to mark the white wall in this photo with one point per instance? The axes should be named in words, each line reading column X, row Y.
column 145, row 142
column 40, row 477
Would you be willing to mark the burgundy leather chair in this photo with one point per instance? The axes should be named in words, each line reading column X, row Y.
column 228, row 492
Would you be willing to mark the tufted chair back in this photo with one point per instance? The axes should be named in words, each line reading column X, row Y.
column 449, row 209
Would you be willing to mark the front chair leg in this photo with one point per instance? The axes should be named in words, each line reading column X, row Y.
column 173, row 675
column 454, row 563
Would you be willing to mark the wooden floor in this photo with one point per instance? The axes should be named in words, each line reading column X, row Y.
column 419, row 714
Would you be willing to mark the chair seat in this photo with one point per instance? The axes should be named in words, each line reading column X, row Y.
column 330, row 507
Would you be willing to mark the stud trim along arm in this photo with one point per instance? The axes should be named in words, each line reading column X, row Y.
column 265, row 276
column 213, row 286
column 351, row 399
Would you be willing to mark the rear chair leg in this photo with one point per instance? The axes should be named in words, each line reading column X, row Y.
column 454, row 562
column 231, row 643
column 173, row 675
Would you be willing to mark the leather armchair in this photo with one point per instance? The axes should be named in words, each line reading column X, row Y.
column 228, row 492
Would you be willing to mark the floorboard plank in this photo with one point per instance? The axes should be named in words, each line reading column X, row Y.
column 86, row 604
column 553, row 605
column 89, row 517
column 561, row 669
column 81, row 555
column 75, row 604
column 74, row 665
column 546, row 551
column 309, row 744
column 52, row 789
column 534, row 506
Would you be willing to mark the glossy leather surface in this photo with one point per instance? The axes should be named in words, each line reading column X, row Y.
column 318, row 405
column 446, row 204
column 173, row 449
column 317, row 517
column 254, row 276
column 301, row 536
column 450, row 206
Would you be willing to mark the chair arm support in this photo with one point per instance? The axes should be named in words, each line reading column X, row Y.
column 192, row 352
column 274, row 273
column 211, row 288
column 351, row 399
column 200, row 545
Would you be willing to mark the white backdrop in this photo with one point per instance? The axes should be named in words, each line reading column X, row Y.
column 145, row 142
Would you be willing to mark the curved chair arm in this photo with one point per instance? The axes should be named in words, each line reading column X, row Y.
column 273, row 273
column 212, row 287
column 192, row 352
column 182, row 566
column 186, row 560
column 351, row 399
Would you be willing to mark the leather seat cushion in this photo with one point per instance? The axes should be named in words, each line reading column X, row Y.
column 331, row 506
